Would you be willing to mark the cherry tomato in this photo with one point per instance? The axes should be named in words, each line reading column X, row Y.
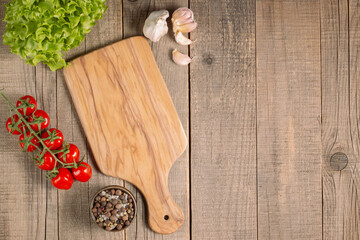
column 27, row 103
column 82, row 173
column 48, row 162
column 39, row 116
column 56, row 138
column 10, row 126
column 30, row 140
column 71, row 154
column 63, row 180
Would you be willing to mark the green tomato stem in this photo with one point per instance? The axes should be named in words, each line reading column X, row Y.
column 14, row 109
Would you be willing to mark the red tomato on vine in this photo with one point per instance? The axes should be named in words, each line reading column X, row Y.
column 63, row 180
column 72, row 154
column 47, row 162
column 12, row 123
column 82, row 173
column 53, row 138
column 31, row 142
column 28, row 105
column 39, row 117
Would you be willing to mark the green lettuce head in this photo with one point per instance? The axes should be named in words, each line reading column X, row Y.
column 39, row 30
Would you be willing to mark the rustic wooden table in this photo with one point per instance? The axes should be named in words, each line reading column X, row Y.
column 271, row 95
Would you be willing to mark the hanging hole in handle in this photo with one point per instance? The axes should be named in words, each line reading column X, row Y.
column 166, row 217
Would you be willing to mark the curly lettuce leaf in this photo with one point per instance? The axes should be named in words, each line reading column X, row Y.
column 40, row 30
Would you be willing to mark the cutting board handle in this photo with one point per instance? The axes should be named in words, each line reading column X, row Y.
column 165, row 216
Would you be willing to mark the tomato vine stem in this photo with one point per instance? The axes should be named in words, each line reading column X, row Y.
column 36, row 134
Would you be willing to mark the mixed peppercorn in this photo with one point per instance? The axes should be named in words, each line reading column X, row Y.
column 113, row 209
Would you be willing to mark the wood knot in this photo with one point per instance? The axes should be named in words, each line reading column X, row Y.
column 208, row 60
column 338, row 161
column 132, row 0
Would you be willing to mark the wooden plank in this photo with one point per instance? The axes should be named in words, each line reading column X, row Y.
column 176, row 78
column 46, row 96
column 73, row 205
column 352, row 229
column 108, row 30
column 335, row 114
column 339, row 118
column 223, row 126
column 288, row 119
column 21, row 183
column 24, row 204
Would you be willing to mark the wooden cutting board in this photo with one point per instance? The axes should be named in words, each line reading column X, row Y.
column 130, row 122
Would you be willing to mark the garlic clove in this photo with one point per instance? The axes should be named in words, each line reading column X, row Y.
column 183, row 14
column 155, row 25
column 186, row 28
column 181, row 39
column 183, row 20
column 180, row 59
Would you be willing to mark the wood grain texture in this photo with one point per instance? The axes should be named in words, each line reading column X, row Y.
column 141, row 140
column 107, row 31
column 223, row 126
column 303, row 47
column 353, row 225
column 340, row 118
column 45, row 88
column 176, row 79
column 21, row 185
column 288, row 120
column 73, row 205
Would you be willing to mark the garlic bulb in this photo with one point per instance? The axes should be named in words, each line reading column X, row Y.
column 155, row 25
column 181, row 39
column 180, row 59
column 183, row 20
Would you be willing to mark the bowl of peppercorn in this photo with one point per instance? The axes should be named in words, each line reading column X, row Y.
column 113, row 208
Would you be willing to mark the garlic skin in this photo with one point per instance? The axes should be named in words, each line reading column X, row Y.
column 180, row 58
column 183, row 20
column 181, row 39
column 155, row 25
